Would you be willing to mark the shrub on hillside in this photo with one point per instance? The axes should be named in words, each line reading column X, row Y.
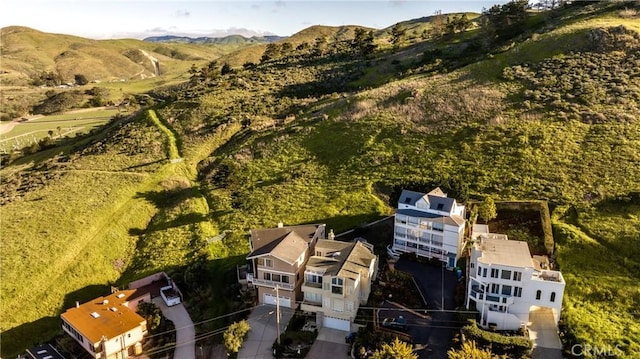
column 59, row 102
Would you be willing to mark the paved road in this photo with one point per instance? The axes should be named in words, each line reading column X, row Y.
column 437, row 333
column 544, row 334
column 263, row 333
column 185, row 332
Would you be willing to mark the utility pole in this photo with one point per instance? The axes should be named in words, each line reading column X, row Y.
column 278, row 313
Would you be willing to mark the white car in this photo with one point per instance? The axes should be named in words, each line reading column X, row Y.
column 392, row 253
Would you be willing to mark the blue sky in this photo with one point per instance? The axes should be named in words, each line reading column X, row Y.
column 138, row 19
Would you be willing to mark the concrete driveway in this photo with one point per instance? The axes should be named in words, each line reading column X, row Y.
column 263, row 333
column 330, row 344
column 185, row 332
column 438, row 286
column 544, row 334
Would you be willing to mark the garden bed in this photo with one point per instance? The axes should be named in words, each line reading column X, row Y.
column 525, row 221
column 296, row 342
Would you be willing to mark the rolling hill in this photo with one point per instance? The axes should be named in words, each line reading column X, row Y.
column 324, row 136
column 26, row 53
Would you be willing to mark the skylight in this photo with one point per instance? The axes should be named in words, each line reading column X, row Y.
column 95, row 314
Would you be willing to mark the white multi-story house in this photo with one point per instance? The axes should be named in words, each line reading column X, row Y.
column 430, row 225
column 278, row 257
column 107, row 327
column 337, row 279
column 506, row 283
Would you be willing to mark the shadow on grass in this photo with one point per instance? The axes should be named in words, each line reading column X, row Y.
column 169, row 197
column 16, row 340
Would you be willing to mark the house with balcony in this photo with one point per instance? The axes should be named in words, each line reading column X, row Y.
column 506, row 283
column 337, row 279
column 107, row 327
column 430, row 225
column 277, row 261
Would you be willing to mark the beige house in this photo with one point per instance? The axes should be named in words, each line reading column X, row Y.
column 107, row 327
column 337, row 279
column 278, row 257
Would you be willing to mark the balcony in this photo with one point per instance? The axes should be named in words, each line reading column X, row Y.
column 311, row 306
column 272, row 284
column 312, row 285
column 548, row 276
column 480, row 295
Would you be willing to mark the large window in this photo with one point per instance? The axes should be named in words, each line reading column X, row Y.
column 312, row 278
column 495, row 288
column 506, row 274
column 336, row 285
column 437, row 226
column 517, row 292
column 517, row 276
column 484, row 272
column 494, row 273
column 506, row 290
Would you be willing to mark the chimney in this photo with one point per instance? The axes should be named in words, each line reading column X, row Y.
column 280, row 224
column 331, row 236
column 77, row 304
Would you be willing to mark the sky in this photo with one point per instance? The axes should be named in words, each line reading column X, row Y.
column 139, row 19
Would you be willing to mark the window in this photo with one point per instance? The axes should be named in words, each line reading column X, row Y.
column 538, row 294
column 494, row 273
column 268, row 262
column 506, row 290
column 479, row 271
column 472, row 265
column 267, row 276
column 275, row 277
column 517, row 292
column 553, row 296
column 517, row 276
column 495, row 288
column 438, row 226
column 336, row 285
column 260, row 261
column 484, row 272
column 506, row 274
column 319, row 254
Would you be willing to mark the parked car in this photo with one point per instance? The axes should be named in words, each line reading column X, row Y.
column 392, row 253
column 398, row 323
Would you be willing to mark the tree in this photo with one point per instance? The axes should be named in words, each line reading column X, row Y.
column 397, row 35
column 470, row 350
column 226, row 69
column 270, row 52
column 505, row 21
column 234, row 336
column 363, row 41
column 80, row 79
column 487, row 209
column 396, row 350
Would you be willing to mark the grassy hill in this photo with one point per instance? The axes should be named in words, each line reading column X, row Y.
column 307, row 137
column 27, row 52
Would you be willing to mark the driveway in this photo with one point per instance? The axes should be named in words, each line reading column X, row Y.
column 433, row 336
column 330, row 344
column 544, row 334
column 263, row 333
column 185, row 332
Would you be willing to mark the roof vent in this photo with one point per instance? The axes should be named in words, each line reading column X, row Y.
column 113, row 309
column 121, row 295
column 105, row 302
column 95, row 315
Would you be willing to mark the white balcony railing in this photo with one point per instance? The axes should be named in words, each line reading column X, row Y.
column 272, row 284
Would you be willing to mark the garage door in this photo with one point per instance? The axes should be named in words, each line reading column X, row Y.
column 335, row 323
column 271, row 299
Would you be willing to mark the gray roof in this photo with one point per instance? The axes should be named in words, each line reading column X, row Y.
column 505, row 252
column 440, row 203
column 437, row 199
column 453, row 220
column 410, row 197
column 285, row 243
column 350, row 259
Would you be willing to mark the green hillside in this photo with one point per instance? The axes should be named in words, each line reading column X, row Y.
column 547, row 110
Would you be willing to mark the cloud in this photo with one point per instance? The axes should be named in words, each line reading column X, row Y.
column 182, row 13
column 280, row 3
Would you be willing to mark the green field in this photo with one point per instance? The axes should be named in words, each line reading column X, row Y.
column 26, row 133
column 301, row 139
